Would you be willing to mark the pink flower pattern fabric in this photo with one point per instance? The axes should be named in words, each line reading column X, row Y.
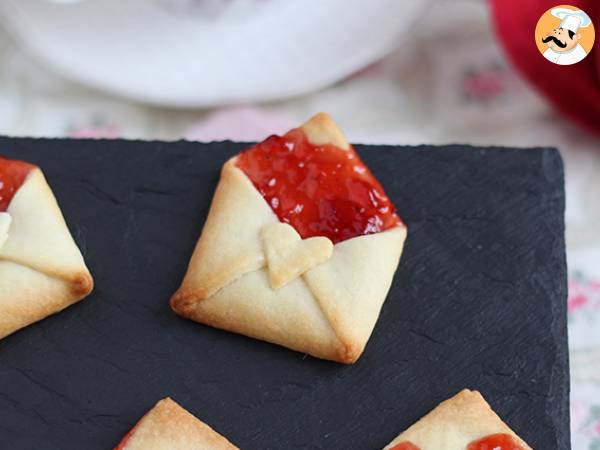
column 584, row 294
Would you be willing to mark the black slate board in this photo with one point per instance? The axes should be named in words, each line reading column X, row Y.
column 478, row 302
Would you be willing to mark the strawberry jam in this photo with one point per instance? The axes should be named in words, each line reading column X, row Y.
column 320, row 190
column 12, row 176
column 405, row 446
column 129, row 435
column 500, row 441
column 125, row 440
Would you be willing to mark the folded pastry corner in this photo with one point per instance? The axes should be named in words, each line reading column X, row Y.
column 41, row 269
column 299, row 247
column 169, row 426
column 321, row 129
column 464, row 422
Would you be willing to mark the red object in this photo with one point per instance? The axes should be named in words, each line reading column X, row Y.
column 125, row 439
column 319, row 190
column 130, row 433
column 573, row 90
column 12, row 176
column 405, row 446
column 499, row 441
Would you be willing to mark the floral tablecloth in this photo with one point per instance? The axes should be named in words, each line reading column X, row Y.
column 451, row 84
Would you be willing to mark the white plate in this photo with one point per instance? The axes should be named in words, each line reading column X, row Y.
column 192, row 53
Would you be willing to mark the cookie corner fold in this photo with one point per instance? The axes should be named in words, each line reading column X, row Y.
column 82, row 284
column 321, row 129
column 182, row 302
column 457, row 422
column 349, row 350
column 169, row 425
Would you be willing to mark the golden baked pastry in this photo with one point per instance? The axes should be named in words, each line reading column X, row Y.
column 464, row 422
column 299, row 248
column 167, row 426
column 41, row 268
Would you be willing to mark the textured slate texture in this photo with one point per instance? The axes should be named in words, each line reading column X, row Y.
column 478, row 302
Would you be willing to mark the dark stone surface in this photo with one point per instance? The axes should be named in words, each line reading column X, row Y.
column 479, row 301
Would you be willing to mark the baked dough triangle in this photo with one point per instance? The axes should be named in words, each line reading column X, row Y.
column 454, row 424
column 328, row 311
column 289, row 256
column 168, row 426
column 41, row 268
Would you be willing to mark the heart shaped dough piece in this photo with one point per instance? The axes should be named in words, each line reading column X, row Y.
column 289, row 256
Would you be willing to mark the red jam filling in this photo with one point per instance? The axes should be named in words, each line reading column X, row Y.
column 12, row 176
column 499, row 441
column 130, row 433
column 320, row 190
column 405, row 446
column 128, row 436
column 125, row 439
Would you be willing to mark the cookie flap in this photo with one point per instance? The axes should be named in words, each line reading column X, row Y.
column 321, row 129
column 455, row 423
column 38, row 236
column 289, row 316
column 27, row 295
column 230, row 243
column 169, row 426
column 353, row 284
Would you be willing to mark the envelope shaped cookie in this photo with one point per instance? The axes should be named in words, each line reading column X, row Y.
column 464, row 422
column 168, row 426
column 41, row 268
column 299, row 248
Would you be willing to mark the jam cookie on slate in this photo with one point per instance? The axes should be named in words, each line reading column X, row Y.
column 464, row 422
column 299, row 248
column 41, row 268
column 169, row 426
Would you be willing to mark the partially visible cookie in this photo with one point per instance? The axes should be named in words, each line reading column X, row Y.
column 41, row 269
column 464, row 422
column 168, row 426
